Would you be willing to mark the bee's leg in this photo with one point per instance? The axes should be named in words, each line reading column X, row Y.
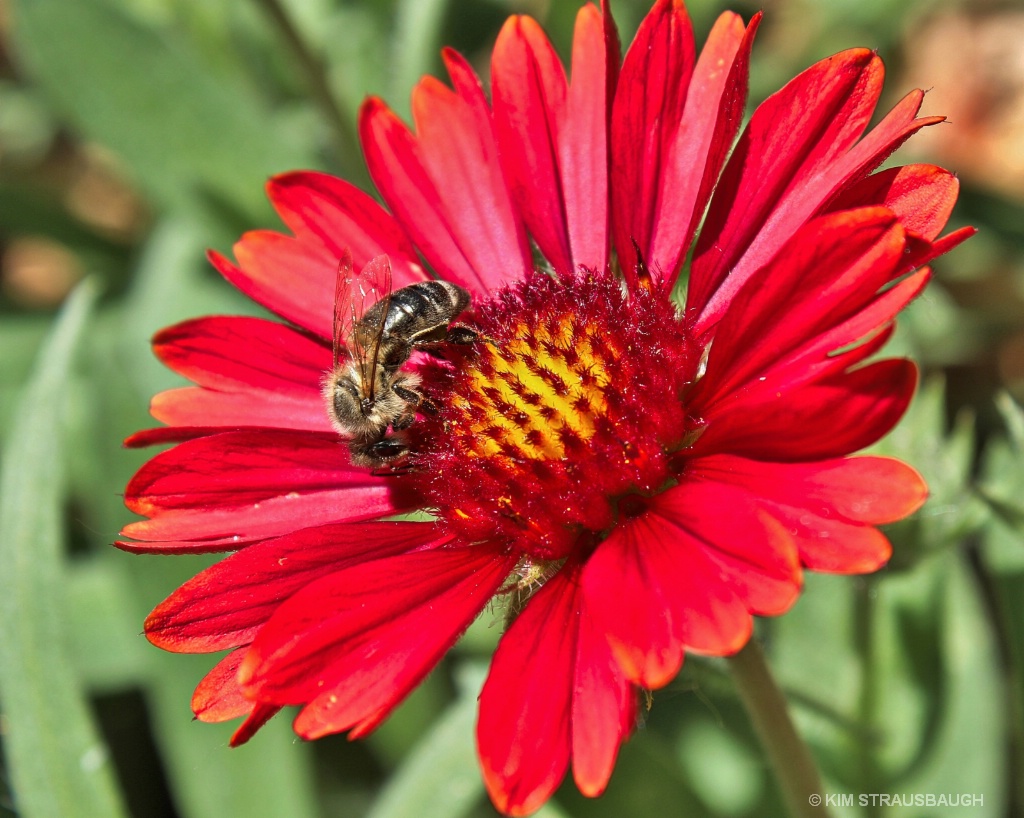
column 410, row 396
column 414, row 402
column 393, row 470
column 464, row 336
column 461, row 334
column 403, row 421
column 455, row 334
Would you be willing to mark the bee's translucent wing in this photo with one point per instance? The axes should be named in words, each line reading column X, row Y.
column 375, row 287
column 361, row 305
column 344, row 318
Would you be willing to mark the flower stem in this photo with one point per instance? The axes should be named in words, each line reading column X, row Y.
column 312, row 68
column 790, row 759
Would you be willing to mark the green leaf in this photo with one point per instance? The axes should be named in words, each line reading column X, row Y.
column 181, row 129
column 26, row 127
column 726, row 774
column 1009, row 512
column 550, row 810
column 58, row 764
column 104, row 645
column 1013, row 416
column 20, row 339
column 1002, row 553
column 936, row 332
column 965, row 753
column 1002, row 483
column 903, row 650
column 356, row 56
column 1006, row 601
column 441, row 777
column 417, row 42
column 946, row 461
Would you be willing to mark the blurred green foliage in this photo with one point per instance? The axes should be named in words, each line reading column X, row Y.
column 136, row 133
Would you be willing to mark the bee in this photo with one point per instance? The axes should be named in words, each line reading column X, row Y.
column 367, row 392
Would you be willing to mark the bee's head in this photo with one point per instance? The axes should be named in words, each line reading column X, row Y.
column 358, row 411
column 351, row 413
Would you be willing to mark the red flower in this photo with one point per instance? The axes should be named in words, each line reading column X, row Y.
column 636, row 480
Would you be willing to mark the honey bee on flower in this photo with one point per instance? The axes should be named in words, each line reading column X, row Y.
column 371, row 398
column 664, row 473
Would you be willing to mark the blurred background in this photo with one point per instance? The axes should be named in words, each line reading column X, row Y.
column 134, row 134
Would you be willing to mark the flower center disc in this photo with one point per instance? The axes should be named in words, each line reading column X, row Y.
column 570, row 403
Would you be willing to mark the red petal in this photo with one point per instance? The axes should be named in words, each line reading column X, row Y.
column 355, row 643
column 711, row 119
column 218, row 697
column 623, row 587
column 234, row 352
column 260, row 373
column 867, row 490
column 603, row 707
column 583, row 148
column 222, row 491
column 648, row 106
column 826, row 274
column 169, row 434
column 260, row 715
column 292, row 278
column 833, row 546
column 523, row 734
column 328, row 211
column 554, row 136
column 687, row 573
column 553, row 685
column 833, row 417
column 817, row 360
column 393, row 157
column 787, row 165
column 752, row 554
column 460, row 152
column 196, row 406
column 921, row 196
column 921, row 252
column 446, row 185
column 226, row 604
column 529, row 91
column 791, row 136
column 830, row 506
